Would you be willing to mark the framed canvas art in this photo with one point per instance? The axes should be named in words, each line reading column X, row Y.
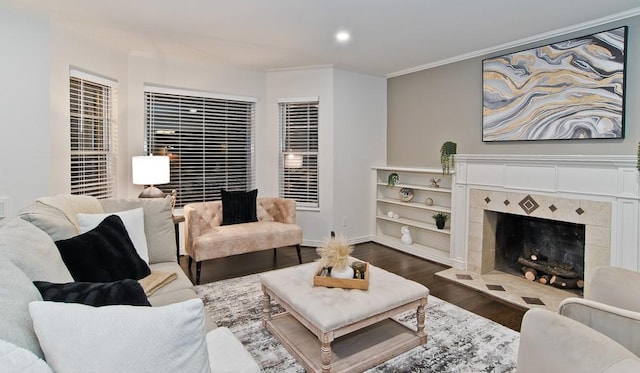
column 572, row 89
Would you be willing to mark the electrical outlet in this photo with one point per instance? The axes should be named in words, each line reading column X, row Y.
column 345, row 221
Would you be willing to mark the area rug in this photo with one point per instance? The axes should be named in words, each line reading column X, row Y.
column 458, row 340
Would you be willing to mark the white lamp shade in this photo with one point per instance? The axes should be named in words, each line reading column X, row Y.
column 292, row 160
column 150, row 170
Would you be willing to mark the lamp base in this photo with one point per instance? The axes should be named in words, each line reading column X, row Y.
column 151, row 192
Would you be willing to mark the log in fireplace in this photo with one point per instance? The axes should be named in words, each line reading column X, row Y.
column 547, row 251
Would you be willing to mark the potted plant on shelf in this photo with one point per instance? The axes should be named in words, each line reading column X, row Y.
column 447, row 152
column 392, row 180
column 441, row 219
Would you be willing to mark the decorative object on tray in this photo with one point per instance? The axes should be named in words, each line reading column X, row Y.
column 406, row 194
column 435, row 183
column 406, row 235
column 334, row 256
column 447, row 152
column 441, row 219
column 428, row 202
column 359, row 268
column 392, row 180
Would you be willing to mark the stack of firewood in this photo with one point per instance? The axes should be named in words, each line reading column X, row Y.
column 538, row 267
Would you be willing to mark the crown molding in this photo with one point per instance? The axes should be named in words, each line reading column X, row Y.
column 520, row 42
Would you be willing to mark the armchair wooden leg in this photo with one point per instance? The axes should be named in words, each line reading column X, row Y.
column 198, row 269
column 274, row 253
column 190, row 262
column 299, row 256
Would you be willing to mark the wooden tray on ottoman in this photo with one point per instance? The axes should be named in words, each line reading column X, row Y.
column 345, row 283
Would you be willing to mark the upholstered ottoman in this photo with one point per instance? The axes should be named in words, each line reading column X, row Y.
column 336, row 330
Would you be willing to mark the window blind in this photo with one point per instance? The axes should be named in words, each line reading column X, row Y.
column 209, row 142
column 93, row 132
column 298, row 177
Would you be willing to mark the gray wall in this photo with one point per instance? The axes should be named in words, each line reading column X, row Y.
column 429, row 107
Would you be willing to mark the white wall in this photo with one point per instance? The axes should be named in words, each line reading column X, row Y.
column 352, row 138
column 312, row 82
column 24, row 96
column 352, row 117
column 70, row 49
column 359, row 137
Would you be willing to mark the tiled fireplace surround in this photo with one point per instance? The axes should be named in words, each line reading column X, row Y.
column 600, row 192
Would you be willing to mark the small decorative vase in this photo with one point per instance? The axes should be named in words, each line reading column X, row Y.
column 440, row 224
column 346, row 272
column 406, row 235
column 406, row 194
column 428, row 202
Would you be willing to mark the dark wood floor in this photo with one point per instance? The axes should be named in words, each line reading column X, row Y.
column 408, row 266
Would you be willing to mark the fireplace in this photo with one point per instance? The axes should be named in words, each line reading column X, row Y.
column 602, row 193
column 542, row 250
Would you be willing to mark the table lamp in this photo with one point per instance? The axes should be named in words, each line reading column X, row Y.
column 150, row 170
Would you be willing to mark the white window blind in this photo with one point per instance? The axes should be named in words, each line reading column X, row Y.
column 93, row 132
column 299, row 151
column 209, row 141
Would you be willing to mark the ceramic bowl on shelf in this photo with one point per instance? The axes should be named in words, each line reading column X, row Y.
column 406, row 194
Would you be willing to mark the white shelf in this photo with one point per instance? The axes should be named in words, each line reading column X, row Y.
column 415, row 223
column 416, row 205
column 419, row 250
column 425, row 170
column 418, row 187
column 429, row 242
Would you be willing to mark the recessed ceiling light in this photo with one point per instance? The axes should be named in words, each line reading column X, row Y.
column 343, row 36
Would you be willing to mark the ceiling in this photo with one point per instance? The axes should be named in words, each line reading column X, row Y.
column 388, row 37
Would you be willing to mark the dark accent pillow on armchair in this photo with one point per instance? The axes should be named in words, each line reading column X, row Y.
column 103, row 254
column 239, row 207
column 97, row 294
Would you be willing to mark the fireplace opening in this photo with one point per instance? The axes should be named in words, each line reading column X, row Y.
column 546, row 251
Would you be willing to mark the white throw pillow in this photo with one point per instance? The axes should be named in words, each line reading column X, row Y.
column 18, row 359
column 133, row 221
column 80, row 338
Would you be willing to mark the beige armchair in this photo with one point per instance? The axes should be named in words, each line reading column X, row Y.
column 206, row 238
column 552, row 343
column 611, row 306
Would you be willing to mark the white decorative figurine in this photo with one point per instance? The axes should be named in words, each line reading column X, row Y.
column 406, row 235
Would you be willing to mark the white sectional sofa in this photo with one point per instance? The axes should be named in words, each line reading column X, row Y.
column 28, row 253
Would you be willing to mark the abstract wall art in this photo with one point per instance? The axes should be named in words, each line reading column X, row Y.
column 572, row 89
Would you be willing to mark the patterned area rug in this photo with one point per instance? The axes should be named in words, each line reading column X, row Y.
column 458, row 340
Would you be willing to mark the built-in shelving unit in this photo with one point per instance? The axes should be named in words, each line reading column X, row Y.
column 392, row 213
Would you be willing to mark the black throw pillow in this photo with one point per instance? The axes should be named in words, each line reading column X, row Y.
column 239, row 207
column 103, row 254
column 97, row 294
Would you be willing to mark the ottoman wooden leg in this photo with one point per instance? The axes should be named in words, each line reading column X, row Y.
column 325, row 352
column 266, row 308
column 420, row 332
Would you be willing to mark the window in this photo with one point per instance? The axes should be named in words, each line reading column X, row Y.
column 93, row 135
column 208, row 138
column 299, row 151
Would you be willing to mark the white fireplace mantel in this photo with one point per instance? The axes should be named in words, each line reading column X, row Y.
column 601, row 178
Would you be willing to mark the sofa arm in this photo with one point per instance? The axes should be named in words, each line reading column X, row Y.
column 618, row 324
column 553, row 343
column 282, row 210
column 200, row 217
column 613, row 285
